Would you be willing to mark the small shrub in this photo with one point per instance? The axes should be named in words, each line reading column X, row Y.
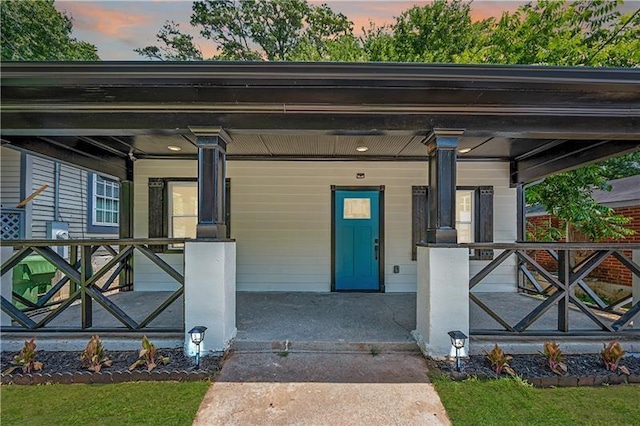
column 374, row 351
column 554, row 357
column 611, row 356
column 93, row 357
column 148, row 356
column 26, row 359
column 500, row 361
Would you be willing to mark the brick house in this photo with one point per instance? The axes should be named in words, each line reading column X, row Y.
column 624, row 199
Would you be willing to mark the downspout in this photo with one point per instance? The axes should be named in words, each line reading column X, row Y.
column 56, row 191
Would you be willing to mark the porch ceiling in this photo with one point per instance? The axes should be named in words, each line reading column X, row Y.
column 543, row 119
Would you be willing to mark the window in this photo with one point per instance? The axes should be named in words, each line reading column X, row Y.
column 474, row 217
column 173, row 209
column 103, row 207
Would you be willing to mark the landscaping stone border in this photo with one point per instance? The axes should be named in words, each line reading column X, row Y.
column 88, row 377
column 561, row 381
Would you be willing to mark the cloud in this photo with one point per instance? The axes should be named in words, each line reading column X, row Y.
column 111, row 23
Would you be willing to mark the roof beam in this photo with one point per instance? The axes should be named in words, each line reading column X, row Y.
column 568, row 156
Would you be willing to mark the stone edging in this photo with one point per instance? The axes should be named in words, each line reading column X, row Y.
column 88, row 377
column 563, row 381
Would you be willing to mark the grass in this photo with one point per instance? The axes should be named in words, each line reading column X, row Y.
column 512, row 402
column 145, row 403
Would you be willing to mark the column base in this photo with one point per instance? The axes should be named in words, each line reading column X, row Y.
column 442, row 235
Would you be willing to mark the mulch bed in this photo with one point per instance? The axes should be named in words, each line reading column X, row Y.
column 582, row 370
column 65, row 367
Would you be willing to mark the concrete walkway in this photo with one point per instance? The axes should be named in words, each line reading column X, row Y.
column 322, row 389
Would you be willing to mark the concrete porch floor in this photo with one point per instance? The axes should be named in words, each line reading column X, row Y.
column 321, row 321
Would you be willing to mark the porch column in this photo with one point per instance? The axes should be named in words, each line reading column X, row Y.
column 212, row 148
column 210, row 293
column 6, row 286
column 442, row 298
column 441, row 147
column 126, row 227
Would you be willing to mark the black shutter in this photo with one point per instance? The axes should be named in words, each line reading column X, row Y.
column 419, row 217
column 157, row 212
column 484, row 220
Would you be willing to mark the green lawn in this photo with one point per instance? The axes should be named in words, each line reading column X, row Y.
column 145, row 403
column 510, row 402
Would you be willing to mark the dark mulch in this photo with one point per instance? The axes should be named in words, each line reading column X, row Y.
column 69, row 362
column 530, row 366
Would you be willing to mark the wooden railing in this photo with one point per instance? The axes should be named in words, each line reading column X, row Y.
column 557, row 288
column 79, row 286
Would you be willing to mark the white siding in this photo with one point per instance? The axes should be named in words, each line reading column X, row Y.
column 281, row 218
column 9, row 177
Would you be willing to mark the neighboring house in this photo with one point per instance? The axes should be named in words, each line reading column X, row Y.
column 624, row 199
column 83, row 203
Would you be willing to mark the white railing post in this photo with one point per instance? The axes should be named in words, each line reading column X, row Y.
column 442, row 298
column 6, row 287
column 210, row 293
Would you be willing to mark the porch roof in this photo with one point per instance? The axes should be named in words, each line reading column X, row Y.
column 542, row 119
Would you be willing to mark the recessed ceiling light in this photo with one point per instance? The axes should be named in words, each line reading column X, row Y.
column 362, row 149
column 464, row 150
column 174, row 148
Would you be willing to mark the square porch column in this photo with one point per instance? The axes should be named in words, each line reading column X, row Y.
column 212, row 147
column 441, row 147
column 210, row 293
column 442, row 298
column 635, row 280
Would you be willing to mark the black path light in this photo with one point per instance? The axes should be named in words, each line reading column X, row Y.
column 458, row 339
column 197, row 336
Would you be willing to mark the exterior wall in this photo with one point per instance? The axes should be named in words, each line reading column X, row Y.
column 38, row 171
column 611, row 270
column 9, row 177
column 281, row 219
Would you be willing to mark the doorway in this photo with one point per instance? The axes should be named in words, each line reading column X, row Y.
column 357, row 239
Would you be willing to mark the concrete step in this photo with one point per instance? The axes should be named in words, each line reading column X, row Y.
column 246, row 346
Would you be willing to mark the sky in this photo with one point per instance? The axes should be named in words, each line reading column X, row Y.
column 117, row 27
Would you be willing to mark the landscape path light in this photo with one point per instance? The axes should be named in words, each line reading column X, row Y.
column 197, row 336
column 458, row 339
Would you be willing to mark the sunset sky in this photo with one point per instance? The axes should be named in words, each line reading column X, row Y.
column 117, row 27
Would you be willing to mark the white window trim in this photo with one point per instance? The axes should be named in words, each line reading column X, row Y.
column 94, row 211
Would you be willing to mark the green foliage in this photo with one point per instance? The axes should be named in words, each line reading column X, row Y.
column 568, row 196
column 500, row 361
column 273, row 30
column 93, row 357
column 177, row 46
column 554, row 357
column 36, row 31
column 25, row 359
column 438, row 32
column 148, row 356
column 611, row 356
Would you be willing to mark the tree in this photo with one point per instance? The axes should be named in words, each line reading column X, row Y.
column 568, row 196
column 437, row 32
column 36, row 31
column 254, row 30
column 584, row 32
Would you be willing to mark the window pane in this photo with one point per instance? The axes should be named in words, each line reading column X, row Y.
column 184, row 227
column 464, row 215
column 107, row 217
column 357, row 208
column 99, row 216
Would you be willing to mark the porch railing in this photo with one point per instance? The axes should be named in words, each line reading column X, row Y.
column 11, row 224
column 556, row 288
column 77, row 285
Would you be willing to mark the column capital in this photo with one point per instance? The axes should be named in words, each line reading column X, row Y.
column 208, row 137
column 443, row 139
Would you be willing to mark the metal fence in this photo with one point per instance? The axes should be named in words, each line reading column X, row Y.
column 555, row 288
column 78, row 284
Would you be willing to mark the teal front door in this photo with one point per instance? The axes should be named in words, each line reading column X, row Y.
column 357, row 244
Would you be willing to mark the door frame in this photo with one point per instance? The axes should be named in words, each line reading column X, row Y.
column 380, row 190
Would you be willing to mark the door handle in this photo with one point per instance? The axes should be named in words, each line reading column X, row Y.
column 376, row 249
